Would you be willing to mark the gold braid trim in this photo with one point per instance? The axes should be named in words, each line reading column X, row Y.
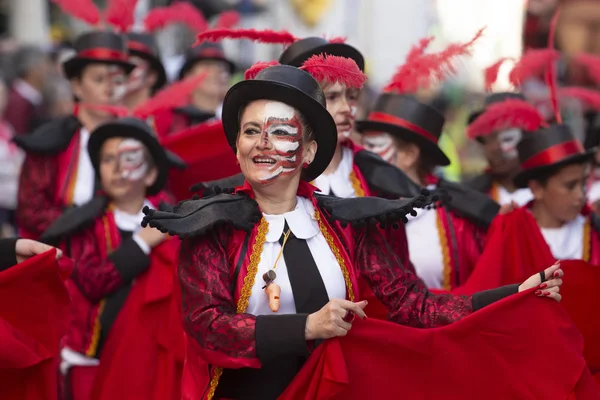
column 355, row 182
column 494, row 192
column 446, row 284
column 91, row 350
column 587, row 240
column 242, row 304
column 336, row 253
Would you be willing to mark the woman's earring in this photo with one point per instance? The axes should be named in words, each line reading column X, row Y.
column 305, row 165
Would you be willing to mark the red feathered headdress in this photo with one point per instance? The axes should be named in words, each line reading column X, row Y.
column 181, row 12
column 420, row 69
column 506, row 114
column 261, row 36
column 324, row 68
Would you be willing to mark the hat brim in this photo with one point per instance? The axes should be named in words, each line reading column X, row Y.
column 315, row 114
column 436, row 154
column 521, row 180
column 472, row 117
column 73, row 66
column 189, row 63
column 334, row 49
column 116, row 129
column 156, row 65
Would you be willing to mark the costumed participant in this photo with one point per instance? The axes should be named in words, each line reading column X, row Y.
column 57, row 171
column 33, row 309
column 124, row 338
column 149, row 74
column 556, row 225
column 354, row 172
column 256, row 297
column 406, row 132
column 500, row 151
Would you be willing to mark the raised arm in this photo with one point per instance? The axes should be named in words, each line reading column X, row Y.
column 404, row 294
column 228, row 339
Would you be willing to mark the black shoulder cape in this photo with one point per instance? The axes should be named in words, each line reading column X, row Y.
column 50, row 138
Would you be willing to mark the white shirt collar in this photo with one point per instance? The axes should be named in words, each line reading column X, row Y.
column 301, row 222
column 339, row 182
column 28, row 92
column 130, row 222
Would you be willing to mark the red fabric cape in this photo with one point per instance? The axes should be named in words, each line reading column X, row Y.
column 521, row 347
column 143, row 355
column 516, row 250
column 208, row 156
column 33, row 308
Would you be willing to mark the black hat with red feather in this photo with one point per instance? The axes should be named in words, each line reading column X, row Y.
column 303, row 49
column 397, row 111
column 205, row 52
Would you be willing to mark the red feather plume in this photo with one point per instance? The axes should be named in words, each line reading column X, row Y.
column 84, row 10
column 491, row 73
column 183, row 12
column 121, row 14
column 118, row 111
column 532, row 64
column 587, row 96
column 227, row 20
column 592, row 64
column 338, row 39
column 332, row 69
column 507, row 114
column 420, row 69
column 176, row 95
column 256, row 68
column 262, row 36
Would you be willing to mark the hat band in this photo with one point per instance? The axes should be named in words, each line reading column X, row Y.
column 554, row 154
column 211, row 53
column 103, row 54
column 137, row 46
column 391, row 119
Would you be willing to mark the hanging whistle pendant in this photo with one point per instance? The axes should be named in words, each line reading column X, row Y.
column 272, row 290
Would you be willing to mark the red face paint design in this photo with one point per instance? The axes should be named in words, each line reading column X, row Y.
column 381, row 144
column 131, row 161
column 280, row 143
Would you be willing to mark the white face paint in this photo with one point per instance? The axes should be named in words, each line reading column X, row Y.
column 132, row 164
column 119, row 82
column 282, row 128
column 508, row 142
column 381, row 144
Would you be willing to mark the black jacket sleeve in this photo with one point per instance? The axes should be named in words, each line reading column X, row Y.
column 8, row 253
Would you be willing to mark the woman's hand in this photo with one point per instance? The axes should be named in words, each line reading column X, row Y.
column 26, row 248
column 152, row 237
column 329, row 321
column 549, row 288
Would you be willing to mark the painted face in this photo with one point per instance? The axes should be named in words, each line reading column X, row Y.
column 270, row 144
column 137, row 78
column 131, row 162
column 508, row 142
column 100, row 84
column 381, row 144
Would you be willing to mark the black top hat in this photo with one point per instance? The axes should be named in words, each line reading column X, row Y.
column 135, row 128
column 98, row 47
column 296, row 88
column 298, row 52
column 144, row 46
column 547, row 149
column 406, row 118
column 204, row 52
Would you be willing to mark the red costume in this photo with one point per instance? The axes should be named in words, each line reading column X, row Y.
column 30, row 332
column 49, row 173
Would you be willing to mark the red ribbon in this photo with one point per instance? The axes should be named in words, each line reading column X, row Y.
column 209, row 52
column 554, row 154
column 103, row 54
column 390, row 119
column 131, row 45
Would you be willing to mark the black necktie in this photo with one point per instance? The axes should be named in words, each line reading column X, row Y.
column 307, row 284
